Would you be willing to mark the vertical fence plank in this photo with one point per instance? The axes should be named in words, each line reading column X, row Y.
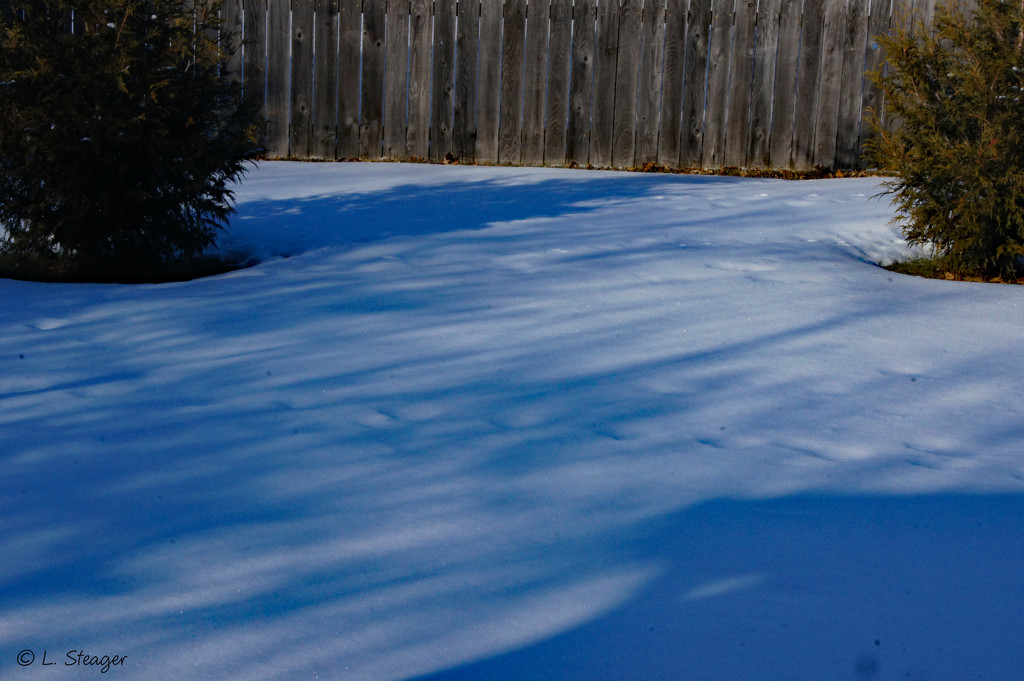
column 466, row 60
column 829, row 86
column 278, row 77
column 672, row 83
column 872, row 106
column 740, row 78
column 559, row 51
column 511, row 109
column 851, row 85
column 535, row 62
column 325, row 105
column 349, row 42
column 489, row 84
column 442, row 101
column 301, row 119
column 649, row 82
column 787, row 61
column 807, row 84
column 255, row 61
column 627, row 64
column 233, row 32
column 396, row 80
column 606, row 47
column 581, row 86
column 698, row 21
column 718, row 84
column 763, row 89
column 420, row 26
column 371, row 112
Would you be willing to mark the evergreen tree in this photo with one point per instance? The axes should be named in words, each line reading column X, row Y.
column 956, row 93
column 120, row 133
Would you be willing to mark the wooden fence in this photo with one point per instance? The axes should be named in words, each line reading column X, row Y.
column 604, row 83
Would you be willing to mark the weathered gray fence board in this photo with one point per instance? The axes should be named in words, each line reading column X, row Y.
column 695, row 83
column 420, row 27
column 762, row 91
column 787, row 61
column 232, row 29
column 301, row 120
column 626, row 73
column 442, row 121
column 607, row 83
column 489, row 83
column 740, row 78
column 396, row 84
column 350, row 32
column 254, row 56
column 672, row 83
column 371, row 111
column 872, row 104
column 829, row 84
column 559, row 51
column 720, row 44
column 582, row 83
column 510, row 144
column 847, row 154
column 649, row 82
column 606, row 46
column 467, row 42
column 325, row 104
column 535, row 60
column 804, row 121
column 278, row 78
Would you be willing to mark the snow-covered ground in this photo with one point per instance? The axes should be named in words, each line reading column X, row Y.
column 519, row 424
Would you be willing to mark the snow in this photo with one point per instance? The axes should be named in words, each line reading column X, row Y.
column 500, row 423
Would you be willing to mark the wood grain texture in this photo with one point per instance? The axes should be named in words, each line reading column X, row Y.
column 254, row 56
column 740, row 83
column 698, row 21
column 557, row 111
column 467, row 41
column 826, row 122
column 806, row 101
column 535, row 62
column 324, row 142
column 787, row 64
column 350, row 40
column 650, row 82
column 627, row 66
column 510, row 117
column 396, row 80
column 442, row 111
column 371, row 110
column 489, row 82
column 872, row 101
column 716, row 111
column 301, row 118
column 672, row 83
column 420, row 28
column 762, row 91
column 606, row 48
column 851, row 87
column 581, row 86
column 278, row 78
